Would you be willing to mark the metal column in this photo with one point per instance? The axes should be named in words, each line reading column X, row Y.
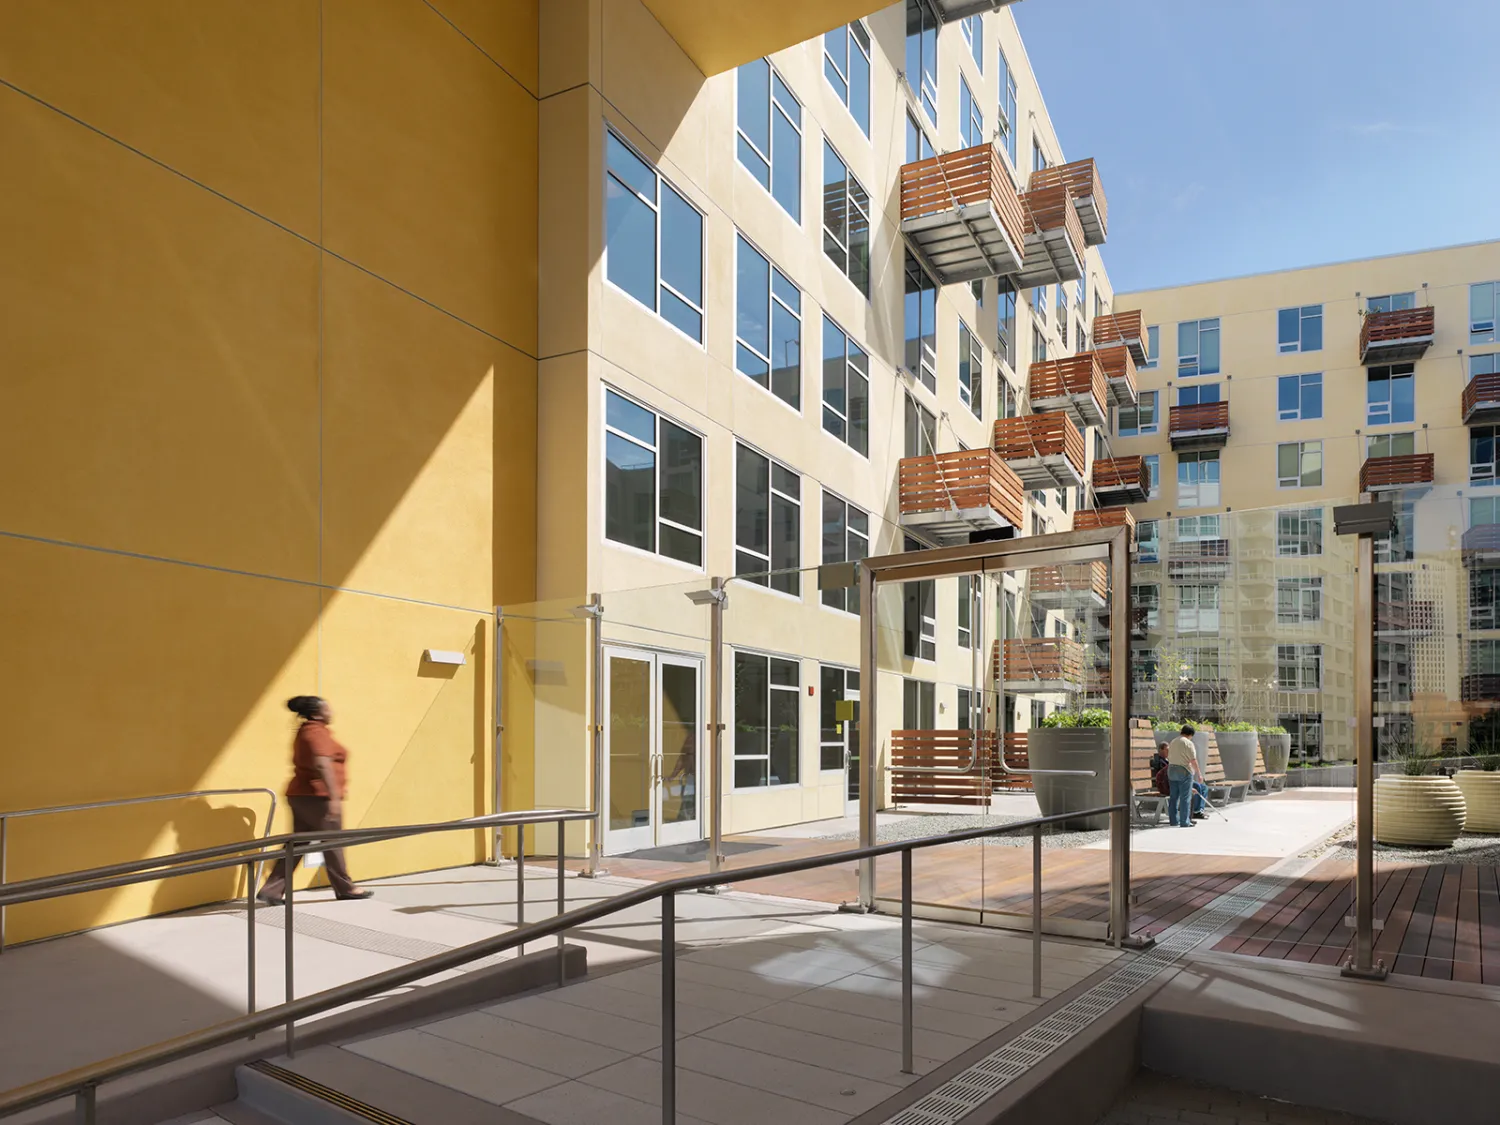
column 499, row 747
column 716, row 726
column 596, row 733
column 1119, row 741
column 868, row 647
column 1361, row 963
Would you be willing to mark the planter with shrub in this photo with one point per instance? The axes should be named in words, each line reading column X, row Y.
column 1416, row 807
column 1072, row 740
column 1238, row 743
column 1481, row 790
column 1276, row 748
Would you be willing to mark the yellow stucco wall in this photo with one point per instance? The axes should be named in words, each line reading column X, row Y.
column 269, row 344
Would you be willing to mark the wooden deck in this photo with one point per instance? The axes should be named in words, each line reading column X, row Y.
column 1441, row 921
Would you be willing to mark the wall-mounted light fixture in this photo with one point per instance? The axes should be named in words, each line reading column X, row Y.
column 443, row 656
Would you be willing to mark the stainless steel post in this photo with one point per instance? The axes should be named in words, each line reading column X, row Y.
column 596, row 733
column 907, row 1013
column 869, row 621
column 1361, row 962
column 562, row 904
column 520, row 885
column 499, row 759
column 716, row 727
column 84, row 1109
column 289, row 859
column 1036, row 910
column 1119, row 741
column 668, row 1009
column 252, row 881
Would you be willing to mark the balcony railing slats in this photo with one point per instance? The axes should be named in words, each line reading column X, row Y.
column 1081, row 178
column 1402, row 471
column 1054, row 238
column 1126, row 477
column 1119, row 373
column 1481, row 401
column 1204, row 424
column 1398, row 334
column 1044, row 660
column 1074, row 384
column 1070, row 580
column 962, row 210
column 1122, row 328
column 1104, row 517
column 959, row 481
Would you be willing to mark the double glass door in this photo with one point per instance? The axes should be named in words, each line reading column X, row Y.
column 652, row 747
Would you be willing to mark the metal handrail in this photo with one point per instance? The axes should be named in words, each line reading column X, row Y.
column 83, row 1082
column 21, row 814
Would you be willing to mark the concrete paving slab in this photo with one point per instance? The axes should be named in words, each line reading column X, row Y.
column 716, row 1100
column 840, row 1091
column 1276, row 824
column 480, row 1074
column 534, row 1046
column 580, row 1104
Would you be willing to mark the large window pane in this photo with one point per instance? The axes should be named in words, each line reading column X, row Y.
column 752, row 312
column 753, row 84
column 629, row 493
column 629, row 242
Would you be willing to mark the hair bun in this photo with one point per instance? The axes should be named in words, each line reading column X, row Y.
column 294, row 704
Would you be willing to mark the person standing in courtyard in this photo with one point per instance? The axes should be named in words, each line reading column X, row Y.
column 1182, row 769
column 316, row 794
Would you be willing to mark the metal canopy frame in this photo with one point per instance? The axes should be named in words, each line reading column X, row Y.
column 1111, row 544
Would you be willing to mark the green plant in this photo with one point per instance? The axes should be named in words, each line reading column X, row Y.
column 1272, row 730
column 1204, row 724
column 1412, row 758
column 1488, row 762
column 1088, row 717
column 1238, row 727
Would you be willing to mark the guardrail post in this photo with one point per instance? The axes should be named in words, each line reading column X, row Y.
column 3, row 826
column 562, row 907
column 908, row 1014
column 291, row 988
column 668, row 1009
column 1036, row 910
column 252, row 879
column 520, row 884
column 84, row 1109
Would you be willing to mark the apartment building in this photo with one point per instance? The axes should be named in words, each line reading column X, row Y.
column 1264, row 402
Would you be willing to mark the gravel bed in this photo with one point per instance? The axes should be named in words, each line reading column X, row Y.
column 933, row 824
column 1468, row 848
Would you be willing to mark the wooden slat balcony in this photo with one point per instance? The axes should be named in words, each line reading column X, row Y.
column 961, row 211
column 1479, row 687
column 1081, row 178
column 1074, row 384
column 1044, row 450
column 1405, row 618
column 1204, row 426
column 942, row 767
column 1399, row 336
column 1199, row 559
column 1480, row 545
column 1104, row 517
column 948, row 496
column 949, row 11
column 1043, row 664
column 1119, row 374
column 1054, row 238
column 1481, row 401
column 1017, row 757
column 1126, row 328
column 1069, row 584
column 1121, row 480
column 1385, row 474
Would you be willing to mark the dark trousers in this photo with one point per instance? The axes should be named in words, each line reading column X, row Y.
column 310, row 814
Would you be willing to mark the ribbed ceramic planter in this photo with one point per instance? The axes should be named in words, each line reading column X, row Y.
column 1481, row 790
column 1237, row 752
column 1277, row 751
column 1424, row 811
column 1071, row 748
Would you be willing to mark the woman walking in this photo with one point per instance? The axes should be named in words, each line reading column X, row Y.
column 316, row 794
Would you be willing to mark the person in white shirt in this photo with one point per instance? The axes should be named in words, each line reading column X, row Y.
column 1182, row 768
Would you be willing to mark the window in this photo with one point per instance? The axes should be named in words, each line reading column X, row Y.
column 767, row 698
column 653, row 482
column 1390, row 395
column 1010, row 400
column 767, row 522
column 1488, row 364
column 919, row 624
column 846, row 65
column 1005, row 322
column 1193, row 529
column 1198, row 347
column 970, row 610
column 770, row 134
column 653, row 240
column 970, row 116
column 1147, row 540
column 1307, row 734
column 846, row 538
column 1299, row 667
column 1484, row 511
column 1484, row 304
column 1299, row 398
column 1300, row 329
column 846, row 389
column 921, row 55
column 1299, row 533
column 1198, row 394
column 1038, row 157
column 1142, row 667
column 1393, row 672
column 1484, row 657
column 1007, row 123
column 1391, row 445
column 846, row 221
column 1392, row 302
column 1203, row 665
column 970, row 370
column 1153, row 468
column 918, row 704
column 1039, row 302
column 1038, row 345
column 968, row 702
column 920, row 317
column 1153, row 342
column 1399, row 546
column 1197, row 609
column 1299, row 601
column 768, row 325
column 977, row 288
column 1140, row 419
column 1299, row 464
column 834, row 685
column 1484, row 598
column 1146, row 601
column 921, row 429
column 973, row 29
column 1198, row 479
column 1482, row 461
column 918, row 147
column 1062, row 310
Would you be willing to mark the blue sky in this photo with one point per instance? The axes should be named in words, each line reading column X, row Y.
column 1236, row 137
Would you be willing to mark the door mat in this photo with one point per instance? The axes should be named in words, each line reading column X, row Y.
column 694, row 852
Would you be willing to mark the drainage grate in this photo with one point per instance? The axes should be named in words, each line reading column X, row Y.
column 971, row 1088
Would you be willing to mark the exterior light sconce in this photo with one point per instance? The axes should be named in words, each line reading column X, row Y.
column 443, row 656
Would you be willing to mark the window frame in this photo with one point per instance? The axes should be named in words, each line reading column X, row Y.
column 847, row 415
column 1389, row 374
column 1393, row 302
column 787, row 576
column 1484, row 329
column 1297, row 531
column 773, row 302
column 1135, row 412
column 1300, row 658
column 919, row 292
column 1484, row 473
column 970, row 115
column 843, row 599
column 825, row 744
column 774, row 106
column 851, row 206
column 1207, row 603
column 796, row 694
column 1153, row 346
column 1195, row 493
column 1305, row 605
column 970, row 356
column 1190, row 364
column 655, row 449
column 1304, row 448
column 1304, row 383
column 1142, row 538
column 1298, row 318
column 852, row 32
column 1007, row 110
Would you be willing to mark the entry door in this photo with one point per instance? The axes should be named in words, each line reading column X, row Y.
column 653, row 739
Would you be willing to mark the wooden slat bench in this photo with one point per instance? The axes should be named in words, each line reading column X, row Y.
column 1222, row 789
column 1264, row 782
column 1144, row 799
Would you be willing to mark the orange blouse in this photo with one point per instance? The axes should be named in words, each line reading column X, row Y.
column 314, row 741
